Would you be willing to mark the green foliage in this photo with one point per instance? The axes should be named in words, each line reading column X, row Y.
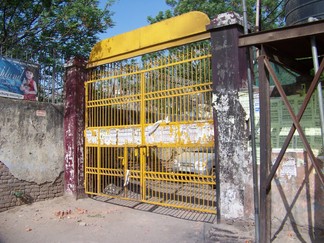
column 69, row 27
column 50, row 31
column 272, row 13
column 312, row 72
column 18, row 194
column 161, row 16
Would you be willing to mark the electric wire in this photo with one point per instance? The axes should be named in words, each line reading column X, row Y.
column 278, row 5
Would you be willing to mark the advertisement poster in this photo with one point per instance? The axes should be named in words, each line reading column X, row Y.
column 18, row 79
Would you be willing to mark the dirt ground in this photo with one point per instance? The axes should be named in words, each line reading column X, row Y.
column 65, row 219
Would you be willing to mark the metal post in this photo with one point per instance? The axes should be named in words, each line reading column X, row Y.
column 257, row 16
column 254, row 157
column 265, row 153
column 319, row 89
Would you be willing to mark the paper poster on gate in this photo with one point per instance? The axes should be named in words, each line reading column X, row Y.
column 188, row 133
column 125, row 136
column 91, row 136
column 207, row 133
column 196, row 133
column 129, row 136
column 137, row 136
column 162, row 134
column 108, row 136
column 120, row 136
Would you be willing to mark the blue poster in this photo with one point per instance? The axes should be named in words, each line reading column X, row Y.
column 18, row 79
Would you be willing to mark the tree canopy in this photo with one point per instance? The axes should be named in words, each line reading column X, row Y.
column 69, row 27
column 272, row 10
column 48, row 32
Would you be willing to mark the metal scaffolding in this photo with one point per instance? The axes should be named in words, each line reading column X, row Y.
column 291, row 48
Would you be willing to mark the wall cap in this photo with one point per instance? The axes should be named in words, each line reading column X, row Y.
column 225, row 19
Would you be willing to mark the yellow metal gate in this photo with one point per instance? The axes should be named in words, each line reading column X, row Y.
column 149, row 129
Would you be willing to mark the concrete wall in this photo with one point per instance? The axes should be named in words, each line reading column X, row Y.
column 31, row 150
column 15, row 192
column 297, row 196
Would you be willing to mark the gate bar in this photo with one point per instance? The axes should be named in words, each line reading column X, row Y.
column 186, row 28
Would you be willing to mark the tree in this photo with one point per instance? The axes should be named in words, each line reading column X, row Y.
column 272, row 10
column 70, row 26
column 193, row 102
column 50, row 31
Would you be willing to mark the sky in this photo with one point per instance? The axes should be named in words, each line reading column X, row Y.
column 132, row 14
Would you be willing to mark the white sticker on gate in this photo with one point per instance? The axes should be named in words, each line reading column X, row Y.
column 108, row 137
column 91, row 136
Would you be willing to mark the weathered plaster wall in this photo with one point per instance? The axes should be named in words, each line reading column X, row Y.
column 31, row 139
column 235, row 159
column 297, row 196
column 15, row 192
column 75, row 76
column 235, row 168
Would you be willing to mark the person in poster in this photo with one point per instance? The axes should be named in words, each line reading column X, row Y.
column 29, row 86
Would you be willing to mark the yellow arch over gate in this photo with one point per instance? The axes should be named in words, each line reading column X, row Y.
column 179, row 30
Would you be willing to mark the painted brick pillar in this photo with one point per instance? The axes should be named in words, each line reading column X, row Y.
column 75, row 76
column 233, row 158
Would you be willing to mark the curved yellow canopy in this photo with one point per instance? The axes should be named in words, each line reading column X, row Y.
column 179, row 30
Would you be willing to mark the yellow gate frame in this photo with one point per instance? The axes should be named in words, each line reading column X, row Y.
column 194, row 191
column 183, row 29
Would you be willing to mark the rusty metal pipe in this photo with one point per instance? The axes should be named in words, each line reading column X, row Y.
column 251, row 106
column 319, row 89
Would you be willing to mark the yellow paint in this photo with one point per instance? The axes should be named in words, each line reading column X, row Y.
column 189, row 27
column 141, row 117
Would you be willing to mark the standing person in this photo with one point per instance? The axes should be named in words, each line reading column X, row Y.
column 29, row 86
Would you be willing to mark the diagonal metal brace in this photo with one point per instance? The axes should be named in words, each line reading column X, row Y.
column 296, row 124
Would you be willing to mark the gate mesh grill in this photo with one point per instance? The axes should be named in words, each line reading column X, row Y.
column 149, row 129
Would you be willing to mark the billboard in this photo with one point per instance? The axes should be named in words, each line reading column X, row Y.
column 18, row 79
